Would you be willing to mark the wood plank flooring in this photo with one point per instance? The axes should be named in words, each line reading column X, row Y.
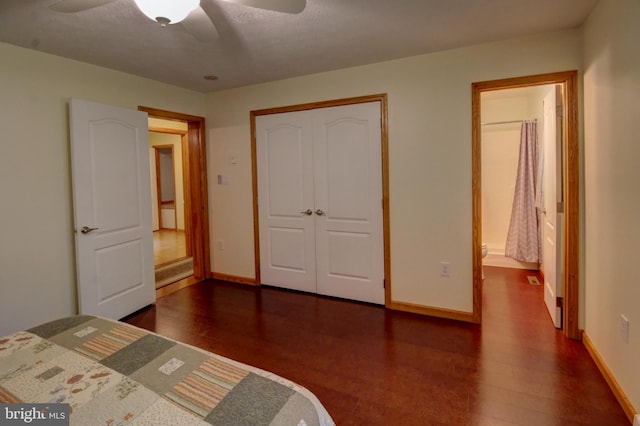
column 372, row 366
column 168, row 245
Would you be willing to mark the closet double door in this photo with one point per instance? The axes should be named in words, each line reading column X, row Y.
column 320, row 201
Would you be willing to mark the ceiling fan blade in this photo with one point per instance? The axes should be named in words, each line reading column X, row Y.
column 199, row 25
column 73, row 6
column 285, row 6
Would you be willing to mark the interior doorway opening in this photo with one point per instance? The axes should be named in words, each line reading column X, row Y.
column 522, row 197
column 190, row 235
column 569, row 168
column 172, row 250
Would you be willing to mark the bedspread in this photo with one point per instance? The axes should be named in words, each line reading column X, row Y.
column 113, row 373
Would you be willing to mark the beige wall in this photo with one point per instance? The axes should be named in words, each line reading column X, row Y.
column 429, row 155
column 612, row 151
column 37, row 263
column 230, row 206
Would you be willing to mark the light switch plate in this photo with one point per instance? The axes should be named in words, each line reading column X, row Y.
column 624, row 328
column 445, row 269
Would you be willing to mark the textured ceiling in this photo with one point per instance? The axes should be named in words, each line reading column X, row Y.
column 254, row 46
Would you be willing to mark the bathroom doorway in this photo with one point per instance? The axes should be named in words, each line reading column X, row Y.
column 503, row 114
column 509, row 97
column 526, row 234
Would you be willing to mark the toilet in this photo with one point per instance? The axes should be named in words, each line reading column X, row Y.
column 484, row 253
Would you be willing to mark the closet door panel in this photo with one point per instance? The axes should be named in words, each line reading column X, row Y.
column 346, row 159
column 348, row 192
column 349, row 255
column 285, row 193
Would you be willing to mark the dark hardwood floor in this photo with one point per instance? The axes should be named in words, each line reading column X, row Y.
column 371, row 366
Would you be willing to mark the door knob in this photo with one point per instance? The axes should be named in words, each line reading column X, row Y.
column 319, row 212
column 86, row 229
column 308, row 212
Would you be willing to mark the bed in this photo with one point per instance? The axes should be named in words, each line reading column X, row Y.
column 112, row 373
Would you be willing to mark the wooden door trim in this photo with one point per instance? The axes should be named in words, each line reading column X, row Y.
column 382, row 98
column 156, row 149
column 158, row 189
column 195, row 186
column 186, row 191
column 571, row 243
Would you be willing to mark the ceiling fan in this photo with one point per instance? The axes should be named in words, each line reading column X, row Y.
column 193, row 17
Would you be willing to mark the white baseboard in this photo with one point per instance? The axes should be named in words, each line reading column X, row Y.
column 636, row 420
column 496, row 259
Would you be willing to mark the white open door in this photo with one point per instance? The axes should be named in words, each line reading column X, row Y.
column 552, row 217
column 112, row 209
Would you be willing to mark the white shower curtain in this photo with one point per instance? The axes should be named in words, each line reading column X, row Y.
column 523, row 238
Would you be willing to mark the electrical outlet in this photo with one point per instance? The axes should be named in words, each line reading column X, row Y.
column 624, row 328
column 445, row 269
column 220, row 244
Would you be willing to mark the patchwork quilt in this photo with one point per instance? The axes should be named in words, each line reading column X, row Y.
column 112, row 373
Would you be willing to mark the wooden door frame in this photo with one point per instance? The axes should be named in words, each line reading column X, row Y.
column 157, row 149
column 194, row 159
column 571, row 242
column 382, row 98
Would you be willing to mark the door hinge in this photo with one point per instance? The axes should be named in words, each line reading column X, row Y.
column 384, row 283
column 559, row 302
column 560, row 207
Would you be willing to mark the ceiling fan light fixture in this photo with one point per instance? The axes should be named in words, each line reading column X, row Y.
column 167, row 11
